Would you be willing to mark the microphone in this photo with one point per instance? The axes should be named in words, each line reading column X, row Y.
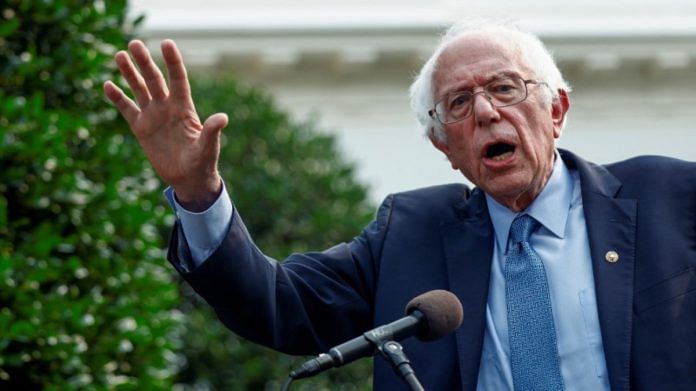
column 429, row 316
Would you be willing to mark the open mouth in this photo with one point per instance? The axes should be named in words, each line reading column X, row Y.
column 500, row 151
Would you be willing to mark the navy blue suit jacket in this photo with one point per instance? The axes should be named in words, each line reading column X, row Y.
column 442, row 238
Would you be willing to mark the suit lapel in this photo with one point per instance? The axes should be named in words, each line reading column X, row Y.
column 468, row 244
column 611, row 226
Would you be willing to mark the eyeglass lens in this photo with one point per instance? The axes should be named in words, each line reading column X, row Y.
column 500, row 92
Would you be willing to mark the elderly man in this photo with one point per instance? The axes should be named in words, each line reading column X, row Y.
column 572, row 275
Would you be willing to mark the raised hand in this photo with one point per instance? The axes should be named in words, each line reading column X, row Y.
column 182, row 150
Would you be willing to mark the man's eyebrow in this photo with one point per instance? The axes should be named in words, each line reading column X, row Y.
column 503, row 74
column 467, row 86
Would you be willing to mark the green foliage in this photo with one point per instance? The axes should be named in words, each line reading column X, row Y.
column 295, row 193
column 86, row 300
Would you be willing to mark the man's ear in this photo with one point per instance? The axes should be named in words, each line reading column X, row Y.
column 441, row 145
column 559, row 107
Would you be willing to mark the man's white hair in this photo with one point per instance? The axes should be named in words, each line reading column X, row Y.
column 527, row 46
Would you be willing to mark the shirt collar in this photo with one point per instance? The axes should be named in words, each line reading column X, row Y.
column 550, row 208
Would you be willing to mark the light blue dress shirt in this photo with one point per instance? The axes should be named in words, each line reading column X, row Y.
column 204, row 231
column 563, row 246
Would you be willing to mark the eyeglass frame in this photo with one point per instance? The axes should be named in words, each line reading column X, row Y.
column 434, row 114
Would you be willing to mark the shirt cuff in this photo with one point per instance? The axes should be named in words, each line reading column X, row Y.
column 204, row 231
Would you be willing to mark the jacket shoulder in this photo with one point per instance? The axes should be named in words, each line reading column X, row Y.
column 654, row 170
column 439, row 193
column 435, row 203
column 652, row 164
column 641, row 174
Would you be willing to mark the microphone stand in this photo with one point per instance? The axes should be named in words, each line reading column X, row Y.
column 393, row 352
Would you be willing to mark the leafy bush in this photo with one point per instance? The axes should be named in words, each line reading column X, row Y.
column 295, row 193
column 86, row 299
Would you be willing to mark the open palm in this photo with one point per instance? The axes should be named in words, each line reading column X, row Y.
column 182, row 150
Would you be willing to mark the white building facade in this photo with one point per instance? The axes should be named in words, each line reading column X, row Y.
column 632, row 66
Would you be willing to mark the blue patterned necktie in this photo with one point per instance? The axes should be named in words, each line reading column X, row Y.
column 532, row 335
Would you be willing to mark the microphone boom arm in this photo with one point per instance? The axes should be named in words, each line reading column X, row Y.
column 357, row 348
column 394, row 331
column 429, row 316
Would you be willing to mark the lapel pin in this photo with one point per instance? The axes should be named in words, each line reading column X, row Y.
column 611, row 256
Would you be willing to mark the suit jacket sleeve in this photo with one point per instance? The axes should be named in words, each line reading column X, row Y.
column 303, row 305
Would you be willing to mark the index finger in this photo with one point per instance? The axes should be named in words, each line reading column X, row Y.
column 178, row 79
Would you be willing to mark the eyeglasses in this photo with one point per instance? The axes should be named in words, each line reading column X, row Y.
column 459, row 105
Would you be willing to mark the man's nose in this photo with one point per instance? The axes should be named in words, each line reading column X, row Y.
column 485, row 112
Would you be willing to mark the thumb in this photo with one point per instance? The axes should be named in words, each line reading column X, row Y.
column 210, row 136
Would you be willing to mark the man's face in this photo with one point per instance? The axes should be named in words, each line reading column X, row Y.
column 507, row 151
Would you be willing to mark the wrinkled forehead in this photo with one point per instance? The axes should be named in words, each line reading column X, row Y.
column 474, row 59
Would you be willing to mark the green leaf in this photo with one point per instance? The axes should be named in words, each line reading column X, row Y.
column 8, row 27
column 3, row 214
column 139, row 20
column 22, row 330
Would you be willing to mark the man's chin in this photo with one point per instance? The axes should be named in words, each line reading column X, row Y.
column 511, row 191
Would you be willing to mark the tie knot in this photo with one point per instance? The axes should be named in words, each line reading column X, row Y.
column 522, row 227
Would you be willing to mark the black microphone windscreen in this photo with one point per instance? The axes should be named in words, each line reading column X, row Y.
column 443, row 313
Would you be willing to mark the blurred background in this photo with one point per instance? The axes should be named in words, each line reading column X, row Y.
column 632, row 65
column 321, row 131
